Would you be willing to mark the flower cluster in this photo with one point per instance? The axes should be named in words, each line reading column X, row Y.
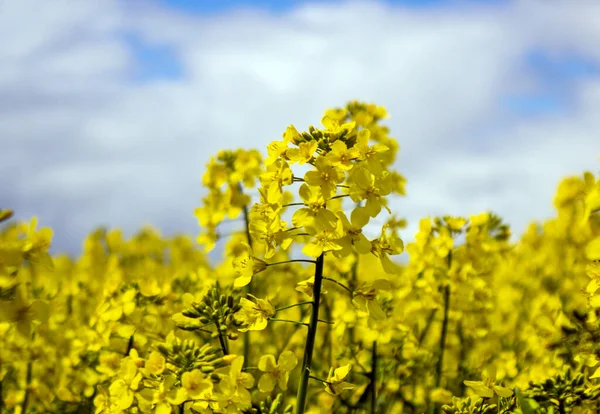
column 309, row 309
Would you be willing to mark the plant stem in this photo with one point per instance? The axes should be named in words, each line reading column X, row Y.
column 374, row 378
column 293, row 306
column 292, row 261
column 339, row 284
column 248, row 288
column 440, row 362
column 318, row 379
column 310, row 338
column 423, row 334
column 288, row 321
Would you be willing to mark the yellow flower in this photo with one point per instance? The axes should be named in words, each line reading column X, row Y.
column 128, row 381
column 327, row 177
column 591, row 197
column 366, row 186
column 159, row 400
column 155, row 364
column 341, row 156
column 110, row 363
column 315, row 210
column 235, row 384
column 365, row 298
column 22, row 313
column 246, row 266
column 388, row 244
column 307, row 287
column 335, row 127
column 37, row 243
column 455, row 223
column 323, row 240
column 274, row 179
column 270, row 231
column 354, row 238
column 335, row 384
column 124, row 304
column 255, row 313
column 371, row 155
column 486, row 387
column 196, row 384
column 276, row 373
column 277, row 148
column 303, row 153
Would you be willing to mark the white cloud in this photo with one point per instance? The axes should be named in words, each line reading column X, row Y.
column 82, row 145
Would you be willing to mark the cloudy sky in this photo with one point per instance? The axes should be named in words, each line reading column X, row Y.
column 109, row 110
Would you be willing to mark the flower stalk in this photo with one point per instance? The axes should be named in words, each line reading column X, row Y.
column 248, row 288
column 440, row 362
column 310, row 339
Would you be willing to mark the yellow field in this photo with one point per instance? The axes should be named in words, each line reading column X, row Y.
column 305, row 313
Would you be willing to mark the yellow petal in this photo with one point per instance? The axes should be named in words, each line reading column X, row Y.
column 502, row 391
column 266, row 383
column 480, row 388
column 267, row 363
column 592, row 251
column 287, row 361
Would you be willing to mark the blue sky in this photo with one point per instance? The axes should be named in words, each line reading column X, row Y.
column 204, row 6
column 492, row 101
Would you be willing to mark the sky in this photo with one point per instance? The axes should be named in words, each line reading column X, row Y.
column 110, row 110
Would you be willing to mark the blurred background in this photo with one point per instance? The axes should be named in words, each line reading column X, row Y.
column 110, row 109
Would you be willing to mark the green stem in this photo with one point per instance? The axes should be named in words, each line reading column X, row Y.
column 374, row 378
column 440, row 362
column 428, row 324
column 248, row 288
column 292, row 261
column 288, row 321
column 318, row 379
column 339, row 284
column 293, row 306
column 327, row 322
column 310, row 338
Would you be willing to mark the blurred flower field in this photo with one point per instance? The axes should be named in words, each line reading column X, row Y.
column 308, row 309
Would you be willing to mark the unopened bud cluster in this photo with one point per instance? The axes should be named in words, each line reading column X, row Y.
column 274, row 406
column 186, row 355
column 216, row 308
column 564, row 390
column 468, row 406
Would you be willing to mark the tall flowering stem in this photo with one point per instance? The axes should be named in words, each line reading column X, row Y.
column 374, row 378
column 310, row 339
column 248, row 288
column 440, row 362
